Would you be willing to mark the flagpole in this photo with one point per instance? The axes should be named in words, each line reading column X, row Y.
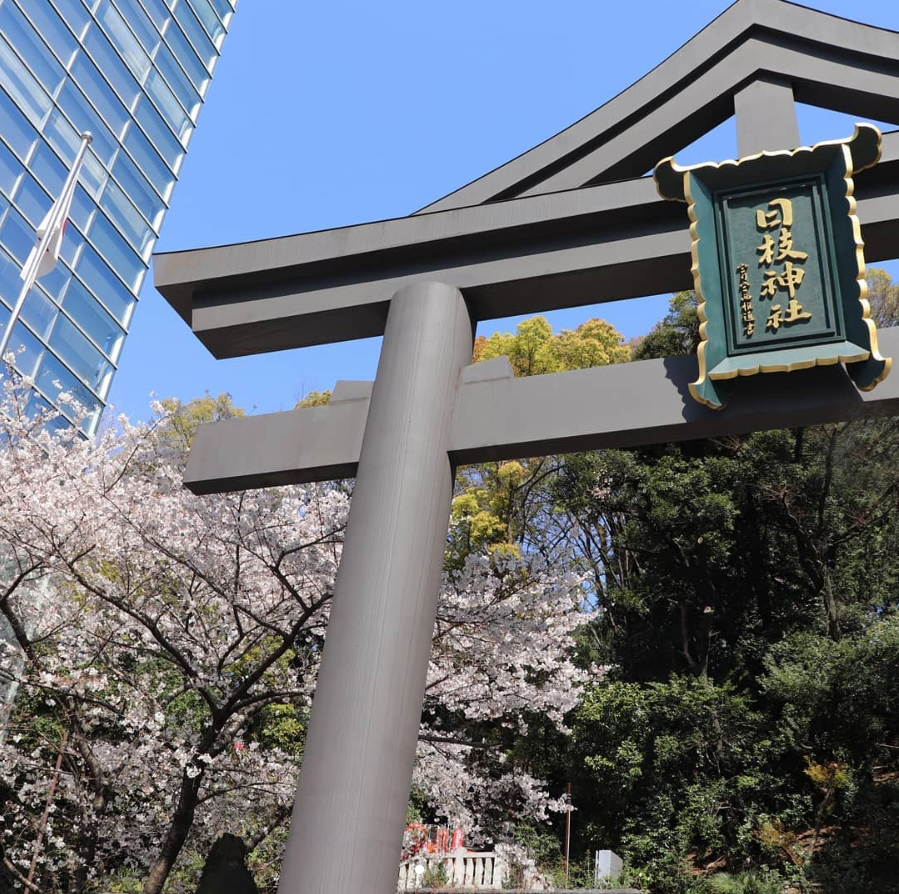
column 52, row 221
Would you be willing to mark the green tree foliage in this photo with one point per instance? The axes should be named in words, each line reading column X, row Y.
column 535, row 349
column 315, row 399
column 182, row 419
column 503, row 507
column 883, row 297
column 747, row 587
column 670, row 758
column 677, row 334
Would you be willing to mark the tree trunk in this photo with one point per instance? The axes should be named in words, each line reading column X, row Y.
column 102, row 792
column 694, row 665
column 832, row 607
column 182, row 820
column 87, row 849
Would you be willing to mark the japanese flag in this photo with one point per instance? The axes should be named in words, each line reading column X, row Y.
column 45, row 254
column 43, row 257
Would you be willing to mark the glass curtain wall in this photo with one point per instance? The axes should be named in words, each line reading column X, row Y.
column 134, row 73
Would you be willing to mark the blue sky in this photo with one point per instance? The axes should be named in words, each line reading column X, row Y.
column 328, row 114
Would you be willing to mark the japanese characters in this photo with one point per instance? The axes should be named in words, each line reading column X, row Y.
column 788, row 278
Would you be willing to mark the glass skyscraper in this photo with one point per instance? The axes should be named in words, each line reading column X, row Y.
column 134, row 73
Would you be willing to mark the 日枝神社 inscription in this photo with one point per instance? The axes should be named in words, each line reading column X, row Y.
column 778, row 263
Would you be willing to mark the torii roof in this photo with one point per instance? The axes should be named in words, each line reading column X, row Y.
column 830, row 62
column 573, row 220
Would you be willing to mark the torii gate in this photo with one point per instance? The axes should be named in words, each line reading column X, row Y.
column 571, row 222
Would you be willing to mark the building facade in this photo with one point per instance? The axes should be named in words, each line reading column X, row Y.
column 134, row 73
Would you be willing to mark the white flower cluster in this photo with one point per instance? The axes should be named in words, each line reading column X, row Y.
column 167, row 647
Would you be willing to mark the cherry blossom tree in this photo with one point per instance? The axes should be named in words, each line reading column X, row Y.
column 502, row 659
column 158, row 629
column 166, row 647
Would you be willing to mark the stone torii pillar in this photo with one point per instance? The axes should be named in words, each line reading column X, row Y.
column 367, row 707
column 569, row 223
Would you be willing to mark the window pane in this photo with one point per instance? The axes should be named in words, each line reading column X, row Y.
column 36, row 405
column 170, row 108
column 20, row 84
column 82, row 209
column 53, row 378
column 39, row 312
column 189, row 60
column 62, row 136
column 124, row 215
column 93, row 175
column 189, row 23
column 210, row 21
column 157, row 11
column 48, row 169
column 107, row 60
column 49, row 25
column 100, row 94
column 223, row 8
column 178, row 81
column 82, row 307
column 17, row 236
column 52, row 423
column 33, row 202
column 84, row 117
column 10, row 168
column 26, row 347
column 10, row 285
column 67, row 141
column 90, row 423
column 139, row 190
column 74, row 13
column 30, row 47
column 54, row 282
column 115, row 251
column 124, row 41
column 160, row 135
column 160, row 177
column 113, row 294
column 72, row 240
column 20, row 136
column 77, row 352
column 143, row 28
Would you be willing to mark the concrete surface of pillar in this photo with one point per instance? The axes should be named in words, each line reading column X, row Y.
column 350, row 809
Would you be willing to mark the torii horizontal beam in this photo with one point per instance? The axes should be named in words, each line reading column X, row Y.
column 625, row 405
column 545, row 252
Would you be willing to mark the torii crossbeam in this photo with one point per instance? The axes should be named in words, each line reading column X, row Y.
column 550, row 229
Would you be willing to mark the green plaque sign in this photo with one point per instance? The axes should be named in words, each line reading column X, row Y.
column 778, row 263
